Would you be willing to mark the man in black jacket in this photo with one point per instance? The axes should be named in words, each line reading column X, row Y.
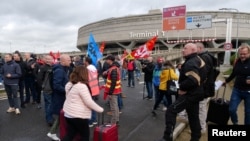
column 30, row 78
column 19, row 60
column 148, row 69
column 44, row 79
column 241, row 88
column 191, row 79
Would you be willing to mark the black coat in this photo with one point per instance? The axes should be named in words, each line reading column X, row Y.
column 192, row 77
column 148, row 70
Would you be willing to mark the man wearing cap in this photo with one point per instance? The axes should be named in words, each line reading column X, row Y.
column 148, row 69
column 113, row 88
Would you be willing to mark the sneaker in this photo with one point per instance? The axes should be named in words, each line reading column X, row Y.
column 91, row 125
column 95, row 122
column 150, row 99
column 154, row 113
column 120, row 112
column 17, row 111
column 39, row 106
column 10, row 110
column 164, row 108
column 53, row 137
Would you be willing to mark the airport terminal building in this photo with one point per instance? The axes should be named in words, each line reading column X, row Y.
column 131, row 31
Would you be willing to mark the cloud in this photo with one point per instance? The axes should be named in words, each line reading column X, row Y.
column 44, row 25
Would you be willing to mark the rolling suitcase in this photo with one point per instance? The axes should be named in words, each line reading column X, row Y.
column 63, row 127
column 105, row 132
column 218, row 110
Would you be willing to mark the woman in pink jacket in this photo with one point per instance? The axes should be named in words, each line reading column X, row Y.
column 78, row 105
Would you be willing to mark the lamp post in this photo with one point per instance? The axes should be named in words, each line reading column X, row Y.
column 237, row 30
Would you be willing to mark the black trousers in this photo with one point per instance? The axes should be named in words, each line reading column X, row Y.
column 192, row 109
column 77, row 126
column 161, row 95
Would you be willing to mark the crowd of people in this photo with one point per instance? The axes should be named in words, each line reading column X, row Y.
column 72, row 85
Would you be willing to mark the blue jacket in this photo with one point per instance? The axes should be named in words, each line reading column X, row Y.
column 11, row 68
column 60, row 78
column 156, row 75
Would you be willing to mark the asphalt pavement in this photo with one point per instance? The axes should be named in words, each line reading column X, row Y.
column 136, row 120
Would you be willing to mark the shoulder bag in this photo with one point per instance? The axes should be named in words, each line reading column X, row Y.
column 171, row 85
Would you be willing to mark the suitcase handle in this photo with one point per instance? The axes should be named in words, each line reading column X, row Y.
column 100, row 118
column 223, row 96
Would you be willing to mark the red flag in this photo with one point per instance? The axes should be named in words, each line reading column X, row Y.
column 151, row 43
column 102, row 47
column 145, row 50
column 52, row 54
column 57, row 55
column 141, row 52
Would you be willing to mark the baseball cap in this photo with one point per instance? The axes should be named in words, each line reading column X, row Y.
column 110, row 57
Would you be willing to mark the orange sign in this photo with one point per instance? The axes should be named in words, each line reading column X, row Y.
column 178, row 23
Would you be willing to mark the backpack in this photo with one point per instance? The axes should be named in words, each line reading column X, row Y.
column 131, row 65
column 212, row 73
column 47, row 83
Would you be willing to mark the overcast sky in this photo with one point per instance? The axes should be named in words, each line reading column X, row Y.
column 51, row 25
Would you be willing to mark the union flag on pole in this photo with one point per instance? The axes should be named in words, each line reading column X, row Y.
column 144, row 50
column 102, row 47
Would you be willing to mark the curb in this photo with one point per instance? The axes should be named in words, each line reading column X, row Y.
column 179, row 129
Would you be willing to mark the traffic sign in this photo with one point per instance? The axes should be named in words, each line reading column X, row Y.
column 197, row 22
column 228, row 46
column 174, row 24
column 174, row 11
column 173, row 18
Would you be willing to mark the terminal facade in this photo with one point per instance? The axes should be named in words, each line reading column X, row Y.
column 131, row 31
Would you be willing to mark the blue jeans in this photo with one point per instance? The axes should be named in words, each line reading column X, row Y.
column 93, row 114
column 236, row 97
column 131, row 78
column 1, row 78
column 124, row 73
column 47, row 104
column 93, row 117
column 149, row 86
column 11, row 91
column 137, row 73
column 120, row 102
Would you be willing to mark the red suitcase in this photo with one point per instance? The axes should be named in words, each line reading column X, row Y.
column 105, row 132
column 63, row 127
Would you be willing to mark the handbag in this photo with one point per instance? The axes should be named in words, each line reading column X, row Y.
column 171, row 85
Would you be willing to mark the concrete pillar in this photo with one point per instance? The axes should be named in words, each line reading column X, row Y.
column 128, row 47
